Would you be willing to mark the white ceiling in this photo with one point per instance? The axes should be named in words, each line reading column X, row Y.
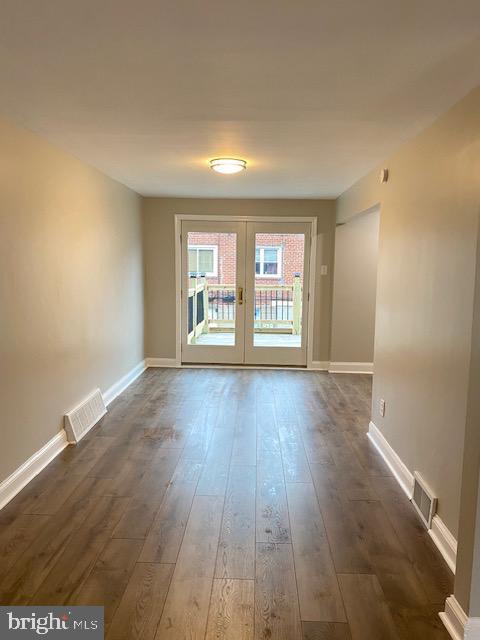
column 312, row 93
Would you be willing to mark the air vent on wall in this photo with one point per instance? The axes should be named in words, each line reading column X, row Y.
column 79, row 421
column 423, row 500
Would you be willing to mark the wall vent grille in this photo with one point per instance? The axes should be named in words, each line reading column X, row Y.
column 79, row 421
column 424, row 500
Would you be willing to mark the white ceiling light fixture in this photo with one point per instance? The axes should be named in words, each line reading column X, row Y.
column 228, row 165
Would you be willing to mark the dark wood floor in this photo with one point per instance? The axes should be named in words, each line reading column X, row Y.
column 228, row 504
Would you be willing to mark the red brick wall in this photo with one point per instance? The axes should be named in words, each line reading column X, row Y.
column 292, row 254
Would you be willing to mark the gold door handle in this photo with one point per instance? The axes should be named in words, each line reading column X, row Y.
column 240, row 295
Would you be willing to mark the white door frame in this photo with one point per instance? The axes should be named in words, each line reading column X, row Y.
column 179, row 217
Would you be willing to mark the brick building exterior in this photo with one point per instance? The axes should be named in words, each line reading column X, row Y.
column 278, row 257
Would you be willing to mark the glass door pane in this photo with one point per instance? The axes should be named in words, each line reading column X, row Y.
column 279, row 266
column 212, row 296
column 277, row 276
column 212, row 286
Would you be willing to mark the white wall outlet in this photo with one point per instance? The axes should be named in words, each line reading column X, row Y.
column 323, row 270
column 381, row 405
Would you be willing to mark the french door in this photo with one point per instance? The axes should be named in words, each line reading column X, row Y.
column 245, row 292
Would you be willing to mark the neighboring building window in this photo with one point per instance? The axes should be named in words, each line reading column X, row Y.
column 203, row 259
column 268, row 262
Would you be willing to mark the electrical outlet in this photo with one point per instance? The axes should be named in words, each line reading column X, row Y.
column 382, row 407
column 324, row 270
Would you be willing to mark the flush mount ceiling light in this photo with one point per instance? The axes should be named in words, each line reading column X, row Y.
column 228, row 165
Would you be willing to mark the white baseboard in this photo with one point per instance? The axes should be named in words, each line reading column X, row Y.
column 316, row 365
column 31, row 468
column 319, row 365
column 237, row 367
column 125, row 381
column 39, row 460
column 350, row 367
column 161, row 362
column 444, row 541
column 440, row 534
column 172, row 362
column 454, row 618
column 392, row 459
column 457, row 623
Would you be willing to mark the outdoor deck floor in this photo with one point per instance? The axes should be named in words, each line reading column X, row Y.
column 228, row 504
column 260, row 339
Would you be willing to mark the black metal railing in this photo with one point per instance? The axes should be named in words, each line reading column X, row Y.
column 212, row 307
column 221, row 304
column 200, row 307
column 190, row 314
column 274, row 304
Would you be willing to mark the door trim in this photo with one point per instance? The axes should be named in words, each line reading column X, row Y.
column 179, row 217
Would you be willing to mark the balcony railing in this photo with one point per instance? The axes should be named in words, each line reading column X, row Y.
column 211, row 307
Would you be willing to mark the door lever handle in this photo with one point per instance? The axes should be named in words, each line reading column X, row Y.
column 240, row 295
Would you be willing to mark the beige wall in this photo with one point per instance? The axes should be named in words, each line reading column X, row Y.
column 70, row 288
column 354, row 289
column 429, row 215
column 158, row 218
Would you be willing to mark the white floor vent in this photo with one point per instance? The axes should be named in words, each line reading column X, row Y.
column 79, row 421
column 423, row 500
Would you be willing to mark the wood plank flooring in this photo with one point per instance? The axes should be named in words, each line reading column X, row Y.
column 228, row 504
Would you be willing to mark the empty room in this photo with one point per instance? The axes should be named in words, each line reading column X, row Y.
column 240, row 320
